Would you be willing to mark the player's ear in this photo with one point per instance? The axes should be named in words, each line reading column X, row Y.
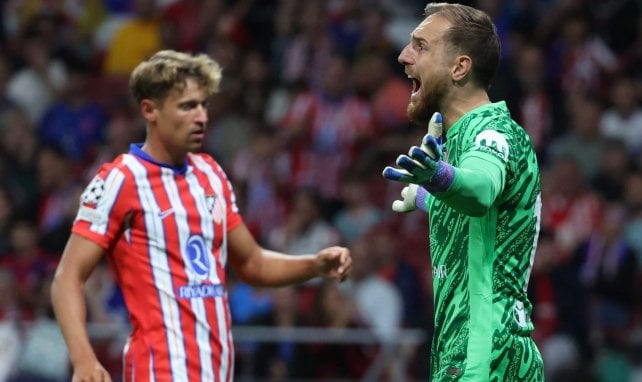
column 148, row 110
column 461, row 68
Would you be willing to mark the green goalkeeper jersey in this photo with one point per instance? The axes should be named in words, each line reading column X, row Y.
column 482, row 257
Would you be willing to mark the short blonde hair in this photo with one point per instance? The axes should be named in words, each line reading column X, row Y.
column 473, row 33
column 168, row 69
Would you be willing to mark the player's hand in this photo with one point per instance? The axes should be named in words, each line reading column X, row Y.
column 334, row 263
column 424, row 165
column 412, row 197
column 91, row 372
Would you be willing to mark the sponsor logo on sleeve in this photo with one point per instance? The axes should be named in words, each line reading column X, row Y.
column 493, row 142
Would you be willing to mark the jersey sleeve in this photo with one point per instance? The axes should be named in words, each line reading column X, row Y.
column 103, row 207
column 481, row 173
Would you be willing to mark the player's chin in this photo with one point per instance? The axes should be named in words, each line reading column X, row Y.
column 418, row 113
column 195, row 145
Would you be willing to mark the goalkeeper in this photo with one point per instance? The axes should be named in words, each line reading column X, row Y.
column 482, row 195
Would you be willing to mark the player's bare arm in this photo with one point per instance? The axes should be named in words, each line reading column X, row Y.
column 261, row 267
column 79, row 259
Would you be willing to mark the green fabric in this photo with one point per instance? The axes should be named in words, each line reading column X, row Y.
column 483, row 232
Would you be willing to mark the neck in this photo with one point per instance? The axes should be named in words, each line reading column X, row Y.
column 461, row 103
column 161, row 154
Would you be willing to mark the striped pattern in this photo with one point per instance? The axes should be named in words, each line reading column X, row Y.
column 480, row 277
column 164, row 233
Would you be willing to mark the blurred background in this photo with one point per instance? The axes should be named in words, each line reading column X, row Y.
column 312, row 107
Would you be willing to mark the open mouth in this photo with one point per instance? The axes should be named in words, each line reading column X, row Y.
column 416, row 86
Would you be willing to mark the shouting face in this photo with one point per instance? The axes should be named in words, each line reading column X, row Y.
column 427, row 63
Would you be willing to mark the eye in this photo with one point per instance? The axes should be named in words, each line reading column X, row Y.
column 188, row 105
column 419, row 47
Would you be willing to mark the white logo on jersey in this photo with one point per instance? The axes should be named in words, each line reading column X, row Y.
column 163, row 214
column 519, row 314
column 198, row 256
column 439, row 272
column 493, row 141
column 91, row 215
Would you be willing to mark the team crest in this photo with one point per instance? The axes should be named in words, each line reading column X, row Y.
column 209, row 201
column 215, row 207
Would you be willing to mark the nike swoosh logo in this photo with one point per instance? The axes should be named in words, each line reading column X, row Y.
column 163, row 214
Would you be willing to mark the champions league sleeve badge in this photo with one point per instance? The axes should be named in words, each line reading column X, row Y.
column 93, row 192
column 89, row 200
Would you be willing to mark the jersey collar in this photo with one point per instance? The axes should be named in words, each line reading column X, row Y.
column 136, row 149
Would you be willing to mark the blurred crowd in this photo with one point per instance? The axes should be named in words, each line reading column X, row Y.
column 312, row 107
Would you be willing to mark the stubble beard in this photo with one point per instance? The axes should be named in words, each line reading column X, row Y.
column 420, row 111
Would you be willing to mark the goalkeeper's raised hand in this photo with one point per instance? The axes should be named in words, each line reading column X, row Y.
column 424, row 166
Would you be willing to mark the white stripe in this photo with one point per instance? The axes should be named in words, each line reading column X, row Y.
column 152, row 375
column 161, row 270
column 113, row 184
column 225, row 335
column 217, row 185
column 181, row 218
column 125, row 351
column 203, row 329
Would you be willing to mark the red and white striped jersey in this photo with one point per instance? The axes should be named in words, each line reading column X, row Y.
column 164, row 230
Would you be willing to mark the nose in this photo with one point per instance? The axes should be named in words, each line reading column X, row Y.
column 201, row 114
column 405, row 58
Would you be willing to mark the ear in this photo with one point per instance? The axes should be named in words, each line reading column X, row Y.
column 461, row 69
column 148, row 110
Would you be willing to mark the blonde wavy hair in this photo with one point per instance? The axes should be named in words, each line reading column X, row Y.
column 167, row 70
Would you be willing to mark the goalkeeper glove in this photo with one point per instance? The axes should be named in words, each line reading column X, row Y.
column 412, row 197
column 424, row 165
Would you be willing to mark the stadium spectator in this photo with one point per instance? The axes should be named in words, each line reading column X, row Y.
column 370, row 291
column 571, row 210
column 623, row 119
column 583, row 140
column 358, row 213
column 308, row 51
column 75, row 123
column 37, row 85
column 10, row 336
column 325, row 129
column 615, row 166
column 30, row 264
column 333, row 308
column 123, row 52
column 20, row 149
column 260, row 175
column 58, row 199
column 305, row 229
